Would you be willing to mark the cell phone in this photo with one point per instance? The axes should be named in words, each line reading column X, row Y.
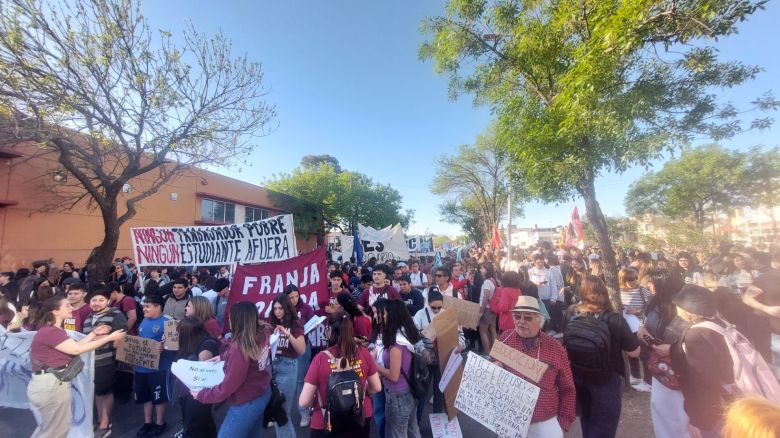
column 651, row 340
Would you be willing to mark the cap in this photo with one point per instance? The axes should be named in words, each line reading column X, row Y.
column 526, row 303
column 697, row 300
column 401, row 265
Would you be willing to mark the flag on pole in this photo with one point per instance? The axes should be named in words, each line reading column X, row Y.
column 496, row 242
column 569, row 241
column 575, row 220
column 357, row 250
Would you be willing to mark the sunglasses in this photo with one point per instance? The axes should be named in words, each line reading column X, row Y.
column 435, row 308
column 526, row 318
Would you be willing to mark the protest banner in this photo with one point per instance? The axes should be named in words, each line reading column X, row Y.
column 496, row 398
column 386, row 244
column 260, row 284
column 140, row 352
column 468, row 312
column 420, row 245
column 198, row 375
column 16, row 371
column 171, row 335
column 447, row 338
column 266, row 240
column 442, row 427
column 522, row 363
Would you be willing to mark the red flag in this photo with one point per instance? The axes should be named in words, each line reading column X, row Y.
column 569, row 241
column 496, row 242
column 575, row 220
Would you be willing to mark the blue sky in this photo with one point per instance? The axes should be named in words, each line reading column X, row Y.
column 346, row 81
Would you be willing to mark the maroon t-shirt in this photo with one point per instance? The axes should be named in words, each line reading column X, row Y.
column 284, row 347
column 42, row 352
column 76, row 323
column 212, row 327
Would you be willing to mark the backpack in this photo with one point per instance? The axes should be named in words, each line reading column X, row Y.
column 343, row 407
column 752, row 375
column 587, row 341
column 420, row 377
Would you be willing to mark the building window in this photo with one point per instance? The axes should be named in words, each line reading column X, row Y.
column 256, row 214
column 217, row 211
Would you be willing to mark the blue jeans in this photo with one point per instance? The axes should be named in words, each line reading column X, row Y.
column 401, row 415
column 286, row 376
column 599, row 406
column 303, row 365
column 245, row 420
column 378, row 400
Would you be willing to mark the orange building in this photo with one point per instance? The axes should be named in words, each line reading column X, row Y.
column 30, row 231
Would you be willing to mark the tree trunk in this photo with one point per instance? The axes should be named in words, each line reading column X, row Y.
column 102, row 256
column 596, row 218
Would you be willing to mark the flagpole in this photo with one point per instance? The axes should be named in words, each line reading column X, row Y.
column 509, row 226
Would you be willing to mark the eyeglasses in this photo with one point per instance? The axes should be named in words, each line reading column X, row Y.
column 440, row 275
column 435, row 308
column 526, row 318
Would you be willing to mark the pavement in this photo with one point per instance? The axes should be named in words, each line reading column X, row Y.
column 635, row 421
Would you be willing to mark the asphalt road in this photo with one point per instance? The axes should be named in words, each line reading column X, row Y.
column 635, row 421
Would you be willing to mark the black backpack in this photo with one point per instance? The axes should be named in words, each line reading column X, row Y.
column 343, row 407
column 587, row 341
column 420, row 377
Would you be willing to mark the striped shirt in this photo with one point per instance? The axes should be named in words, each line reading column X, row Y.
column 634, row 300
column 104, row 355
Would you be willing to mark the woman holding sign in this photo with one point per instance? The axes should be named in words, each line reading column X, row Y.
column 291, row 344
column 196, row 344
column 52, row 356
column 247, row 375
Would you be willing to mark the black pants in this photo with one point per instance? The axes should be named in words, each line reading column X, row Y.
column 197, row 418
column 599, row 406
column 555, row 309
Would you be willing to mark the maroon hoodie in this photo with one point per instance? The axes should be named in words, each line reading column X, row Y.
column 244, row 380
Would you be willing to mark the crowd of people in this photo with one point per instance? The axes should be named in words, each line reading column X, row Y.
column 678, row 328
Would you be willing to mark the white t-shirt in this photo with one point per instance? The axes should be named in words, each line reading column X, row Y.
column 418, row 279
column 211, row 295
column 487, row 292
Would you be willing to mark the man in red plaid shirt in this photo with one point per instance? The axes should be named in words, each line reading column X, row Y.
column 555, row 408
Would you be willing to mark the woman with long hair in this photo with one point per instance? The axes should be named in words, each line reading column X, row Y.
column 394, row 361
column 291, row 344
column 341, row 344
column 200, row 308
column 487, row 322
column 577, row 272
column 305, row 313
column 361, row 322
column 196, row 344
column 247, row 375
column 51, row 349
column 599, row 402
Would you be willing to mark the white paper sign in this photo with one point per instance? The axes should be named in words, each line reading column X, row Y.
column 449, row 370
column 198, row 375
column 496, row 398
column 313, row 323
column 442, row 428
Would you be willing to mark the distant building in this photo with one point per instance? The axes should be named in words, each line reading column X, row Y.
column 755, row 226
column 197, row 197
column 523, row 237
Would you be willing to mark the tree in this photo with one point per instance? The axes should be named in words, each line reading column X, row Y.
column 763, row 179
column 312, row 161
column 696, row 186
column 621, row 231
column 582, row 87
column 475, row 180
column 88, row 81
column 342, row 199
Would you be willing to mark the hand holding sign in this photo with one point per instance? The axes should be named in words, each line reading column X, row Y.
column 198, row 375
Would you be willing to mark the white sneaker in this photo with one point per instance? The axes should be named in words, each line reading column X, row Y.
column 636, row 381
column 305, row 420
column 642, row 387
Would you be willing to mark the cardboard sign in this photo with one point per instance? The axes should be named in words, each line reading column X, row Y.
column 449, row 370
column 140, row 352
column 522, row 363
column 171, row 335
column 198, row 375
column 442, row 427
column 468, row 312
column 266, row 240
column 496, row 398
column 447, row 339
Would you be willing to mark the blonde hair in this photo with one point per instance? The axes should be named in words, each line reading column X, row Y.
column 596, row 268
column 752, row 418
column 625, row 275
column 201, row 308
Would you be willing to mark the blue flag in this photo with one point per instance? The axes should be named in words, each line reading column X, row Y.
column 357, row 247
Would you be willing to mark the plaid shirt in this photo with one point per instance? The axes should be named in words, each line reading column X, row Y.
column 557, row 397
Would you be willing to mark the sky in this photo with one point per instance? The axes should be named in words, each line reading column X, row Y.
column 346, row 81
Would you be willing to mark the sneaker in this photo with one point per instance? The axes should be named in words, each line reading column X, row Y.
column 305, row 420
column 102, row 433
column 636, row 381
column 179, row 434
column 144, row 430
column 156, row 430
column 272, row 424
column 642, row 387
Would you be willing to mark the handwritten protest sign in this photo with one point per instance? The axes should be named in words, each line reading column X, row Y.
column 198, row 375
column 522, row 363
column 447, row 339
column 496, row 398
column 171, row 335
column 260, row 284
column 442, row 427
column 141, row 352
column 266, row 240
column 468, row 312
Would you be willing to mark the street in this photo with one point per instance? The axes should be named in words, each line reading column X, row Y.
column 635, row 421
